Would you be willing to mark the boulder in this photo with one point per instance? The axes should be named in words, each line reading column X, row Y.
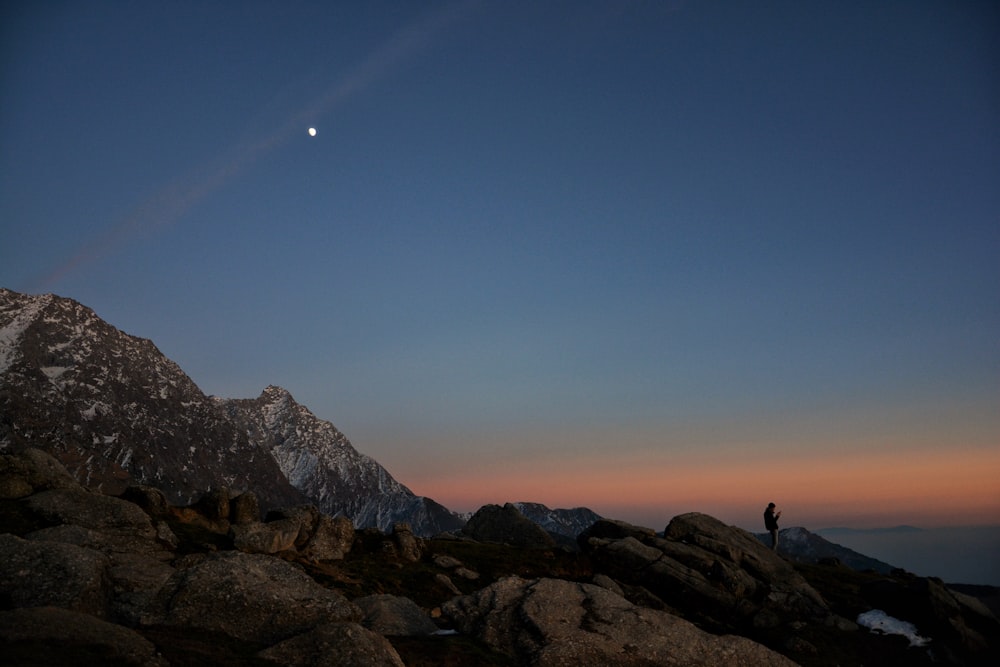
column 305, row 517
column 332, row 539
column 32, row 470
column 247, row 596
column 266, row 538
column 612, row 529
column 57, row 637
column 394, row 615
column 41, row 574
column 553, row 622
column 408, row 546
column 334, row 645
column 105, row 514
column 507, row 525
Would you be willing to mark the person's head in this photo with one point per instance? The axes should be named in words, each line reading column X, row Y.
column 771, row 506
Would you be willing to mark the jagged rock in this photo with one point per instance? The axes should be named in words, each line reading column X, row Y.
column 53, row 637
column 244, row 509
column 507, row 525
column 332, row 540
column 395, row 616
column 247, row 596
column 266, row 538
column 408, row 546
column 38, row 574
column 304, row 516
column 334, row 645
column 552, row 622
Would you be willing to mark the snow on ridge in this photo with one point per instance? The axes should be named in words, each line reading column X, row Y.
column 26, row 310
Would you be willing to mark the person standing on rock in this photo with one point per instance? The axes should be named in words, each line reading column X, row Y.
column 771, row 523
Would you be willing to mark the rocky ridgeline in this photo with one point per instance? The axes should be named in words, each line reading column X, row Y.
column 87, row 578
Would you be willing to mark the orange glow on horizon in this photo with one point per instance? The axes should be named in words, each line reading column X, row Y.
column 960, row 487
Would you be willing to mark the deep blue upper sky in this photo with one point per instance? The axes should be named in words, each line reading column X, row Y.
column 522, row 222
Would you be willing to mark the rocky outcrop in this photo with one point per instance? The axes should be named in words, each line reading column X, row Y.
column 507, row 525
column 707, row 569
column 552, row 622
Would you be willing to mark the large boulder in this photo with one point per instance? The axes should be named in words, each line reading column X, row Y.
column 32, row 470
column 507, row 525
column 394, row 615
column 720, row 575
column 332, row 539
column 558, row 623
column 334, row 645
column 40, row 574
column 247, row 596
column 57, row 637
column 98, row 512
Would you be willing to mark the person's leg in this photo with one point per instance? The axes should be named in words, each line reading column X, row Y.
column 774, row 540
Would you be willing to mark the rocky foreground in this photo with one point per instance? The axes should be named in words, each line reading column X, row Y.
column 91, row 579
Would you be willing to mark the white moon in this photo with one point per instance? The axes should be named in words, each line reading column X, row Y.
column 312, row 131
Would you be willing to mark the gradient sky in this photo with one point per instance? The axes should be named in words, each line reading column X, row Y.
column 646, row 257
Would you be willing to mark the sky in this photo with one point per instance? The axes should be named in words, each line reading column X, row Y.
column 644, row 257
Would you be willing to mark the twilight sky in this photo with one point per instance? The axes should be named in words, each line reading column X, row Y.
column 647, row 257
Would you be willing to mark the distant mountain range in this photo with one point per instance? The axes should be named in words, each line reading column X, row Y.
column 808, row 547
column 116, row 412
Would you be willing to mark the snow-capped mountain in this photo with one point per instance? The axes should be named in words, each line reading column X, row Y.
column 115, row 410
column 565, row 522
column 320, row 461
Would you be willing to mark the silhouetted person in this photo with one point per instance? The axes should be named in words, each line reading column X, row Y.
column 771, row 523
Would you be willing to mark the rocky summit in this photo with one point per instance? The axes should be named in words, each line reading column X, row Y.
column 88, row 578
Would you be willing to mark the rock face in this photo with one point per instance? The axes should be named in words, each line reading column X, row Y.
column 711, row 570
column 551, row 622
column 320, row 461
column 115, row 411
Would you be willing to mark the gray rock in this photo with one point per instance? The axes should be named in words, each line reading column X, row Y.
column 557, row 623
column 135, row 580
column 247, row 596
column 334, row 645
column 52, row 636
column 395, row 616
column 507, row 525
column 39, row 574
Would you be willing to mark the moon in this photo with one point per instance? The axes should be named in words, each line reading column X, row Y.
column 312, row 131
